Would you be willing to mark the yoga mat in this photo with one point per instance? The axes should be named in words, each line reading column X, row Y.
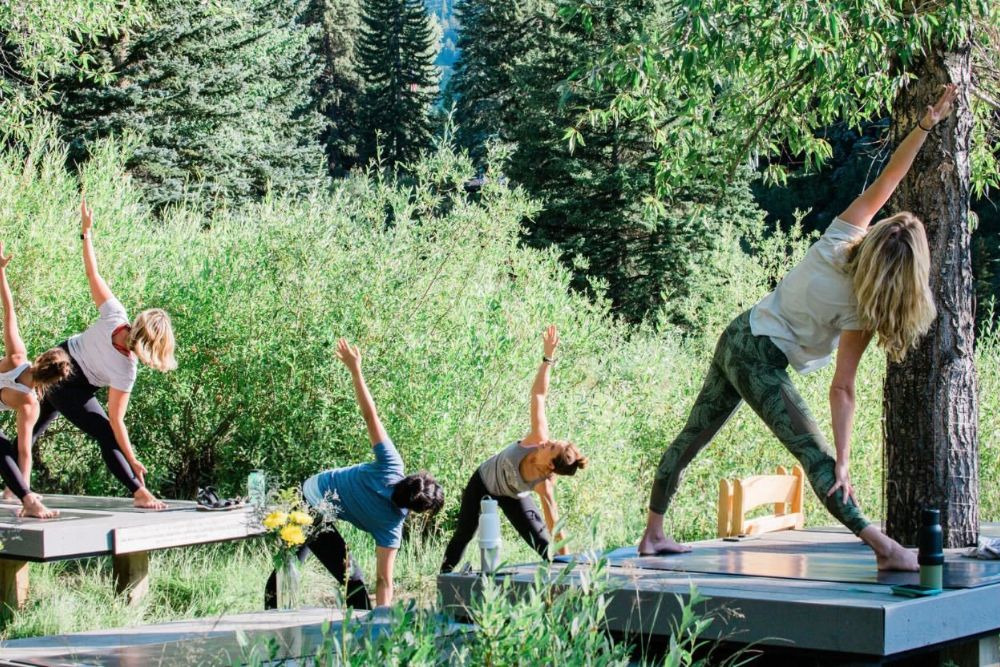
column 838, row 562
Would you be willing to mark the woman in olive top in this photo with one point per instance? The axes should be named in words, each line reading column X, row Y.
column 854, row 282
column 374, row 496
column 22, row 383
column 510, row 476
column 107, row 355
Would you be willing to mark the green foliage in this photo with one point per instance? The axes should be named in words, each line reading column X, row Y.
column 218, row 97
column 396, row 52
column 717, row 83
column 338, row 88
column 40, row 39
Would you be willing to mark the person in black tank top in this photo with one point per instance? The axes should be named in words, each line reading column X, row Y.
column 510, row 475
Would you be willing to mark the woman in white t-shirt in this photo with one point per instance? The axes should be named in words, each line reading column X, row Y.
column 853, row 282
column 21, row 385
column 107, row 355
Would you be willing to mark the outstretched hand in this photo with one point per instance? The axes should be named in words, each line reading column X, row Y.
column 4, row 259
column 550, row 341
column 86, row 216
column 349, row 354
column 942, row 108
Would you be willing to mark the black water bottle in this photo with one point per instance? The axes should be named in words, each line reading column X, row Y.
column 930, row 553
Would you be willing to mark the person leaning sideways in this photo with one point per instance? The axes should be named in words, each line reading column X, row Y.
column 509, row 476
column 374, row 496
column 107, row 355
column 853, row 283
column 22, row 385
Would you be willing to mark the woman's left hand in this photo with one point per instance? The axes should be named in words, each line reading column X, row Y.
column 843, row 477
column 942, row 108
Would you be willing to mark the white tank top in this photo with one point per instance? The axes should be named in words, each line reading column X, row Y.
column 8, row 380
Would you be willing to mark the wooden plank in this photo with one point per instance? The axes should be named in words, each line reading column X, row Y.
column 202, row 528
column 131, row 574
column 13, row 584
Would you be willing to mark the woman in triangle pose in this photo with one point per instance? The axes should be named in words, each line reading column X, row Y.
column 855, row 282
column 22, row 385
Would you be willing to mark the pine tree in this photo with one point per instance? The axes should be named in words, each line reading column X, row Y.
column 482, row 87
column 219, row 98
column 396, row 52
column 339, row 88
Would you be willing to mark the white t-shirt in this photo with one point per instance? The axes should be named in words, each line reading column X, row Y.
column 101, row 362
column 813, row 303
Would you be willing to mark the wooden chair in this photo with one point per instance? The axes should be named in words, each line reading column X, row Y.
column 737, row 497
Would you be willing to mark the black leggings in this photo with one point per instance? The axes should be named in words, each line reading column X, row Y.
column 331, row 550
column 74, row 399
column 9, row 470
column 522, row 512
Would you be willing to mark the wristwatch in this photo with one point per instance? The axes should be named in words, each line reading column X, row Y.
column 548, row 360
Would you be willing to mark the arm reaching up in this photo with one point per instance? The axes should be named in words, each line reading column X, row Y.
column 351, row 357
column 540, row 388
column 99, row 289
column 13, row 346
column 864, row 208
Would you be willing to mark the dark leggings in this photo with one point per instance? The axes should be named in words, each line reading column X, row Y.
column 74, row 399
column 522, row 512
column 9, row 470
column 331, row 550
column 751, row 368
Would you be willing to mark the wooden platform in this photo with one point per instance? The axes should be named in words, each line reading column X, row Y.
column 216, row 636
column 787, row 609
column 94, row 526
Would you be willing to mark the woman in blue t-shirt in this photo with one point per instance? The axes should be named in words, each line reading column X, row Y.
column 854, row 282
column 374, row 496
column 526, row 466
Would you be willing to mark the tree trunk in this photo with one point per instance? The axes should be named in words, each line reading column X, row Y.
column 930, row 399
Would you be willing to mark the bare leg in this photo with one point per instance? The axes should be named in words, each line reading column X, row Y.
column 654, row 541
column 889, row 554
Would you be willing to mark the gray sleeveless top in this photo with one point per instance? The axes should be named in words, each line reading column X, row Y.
column 8, row 380
column 501, row 472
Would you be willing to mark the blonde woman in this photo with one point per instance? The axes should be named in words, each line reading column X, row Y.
column 107, row 355
column 853, row 282
column 509, row 476
column 21, row 385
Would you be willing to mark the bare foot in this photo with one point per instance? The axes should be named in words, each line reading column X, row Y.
column 32, row 506
column 660, row 545
column 8, row 495
column 898, row 559
column 143, row 499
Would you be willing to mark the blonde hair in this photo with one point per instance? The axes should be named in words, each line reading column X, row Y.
column 152, row 339
column 890, row 269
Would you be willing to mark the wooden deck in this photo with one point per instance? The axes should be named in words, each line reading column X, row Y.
column 785, row 602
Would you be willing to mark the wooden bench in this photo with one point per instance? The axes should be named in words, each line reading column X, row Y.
column 91, row 526
column 738, row 497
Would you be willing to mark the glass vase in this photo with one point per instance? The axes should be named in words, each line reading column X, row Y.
column 288, row 582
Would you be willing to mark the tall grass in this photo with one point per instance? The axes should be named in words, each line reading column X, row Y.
column 447, row 308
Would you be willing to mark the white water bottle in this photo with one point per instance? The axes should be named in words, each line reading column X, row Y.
column 489, row 536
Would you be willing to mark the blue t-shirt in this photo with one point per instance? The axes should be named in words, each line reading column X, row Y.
column 364, row 494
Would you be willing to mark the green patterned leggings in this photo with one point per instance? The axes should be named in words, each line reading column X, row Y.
column 752, row 369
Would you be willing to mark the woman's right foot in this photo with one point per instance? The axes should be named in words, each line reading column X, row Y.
column 899, row 559
column 31, row 506
column 8, row 495
column 661, row 545
column 143, row 499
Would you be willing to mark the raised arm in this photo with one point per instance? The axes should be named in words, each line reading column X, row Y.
column 842, row 404
column 351, row 356
column 540, row 388
column 13, row 346
column 99, row 289
column 864, row 208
